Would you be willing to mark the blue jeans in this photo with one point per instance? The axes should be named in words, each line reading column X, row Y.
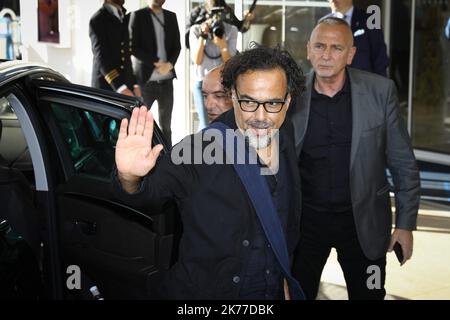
column 199, row 105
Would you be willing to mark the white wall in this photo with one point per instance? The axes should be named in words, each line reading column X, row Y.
column 75, row 60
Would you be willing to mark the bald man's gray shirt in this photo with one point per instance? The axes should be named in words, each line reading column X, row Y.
column 379, row 141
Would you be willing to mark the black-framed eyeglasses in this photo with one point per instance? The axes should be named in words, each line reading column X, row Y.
column 271, row 106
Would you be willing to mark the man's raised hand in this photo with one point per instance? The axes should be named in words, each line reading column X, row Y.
column 135, row 156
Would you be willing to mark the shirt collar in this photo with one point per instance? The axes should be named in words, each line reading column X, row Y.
column 348, row 15
column 345, row 88
column 115, row 11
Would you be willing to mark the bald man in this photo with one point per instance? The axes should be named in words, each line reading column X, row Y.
column 217, row 101
column 348, row 131
column 371, row 54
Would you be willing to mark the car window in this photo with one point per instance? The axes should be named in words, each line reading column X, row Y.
column 90, row 139
column 6, row 111
column 13, row 146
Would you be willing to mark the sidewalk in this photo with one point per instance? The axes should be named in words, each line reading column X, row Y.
column 426, row 276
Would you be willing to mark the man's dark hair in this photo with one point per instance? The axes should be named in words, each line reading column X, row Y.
column 264, row 58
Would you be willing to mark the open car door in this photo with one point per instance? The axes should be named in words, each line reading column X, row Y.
column 115, row 247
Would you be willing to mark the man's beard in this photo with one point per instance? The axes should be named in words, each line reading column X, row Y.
column 255, row 141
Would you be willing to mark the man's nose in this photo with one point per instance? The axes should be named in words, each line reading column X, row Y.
column 260, row 113
column 326, row 53
column 211, row 100
column 208, row 99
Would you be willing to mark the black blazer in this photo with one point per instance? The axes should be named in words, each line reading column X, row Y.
column 217, row 217
column 143, row 41
column 111, row 48
column 371, row 52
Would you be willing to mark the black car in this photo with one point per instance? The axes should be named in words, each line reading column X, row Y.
column 56, row 160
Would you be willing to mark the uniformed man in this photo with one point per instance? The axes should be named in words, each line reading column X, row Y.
column 108, row 30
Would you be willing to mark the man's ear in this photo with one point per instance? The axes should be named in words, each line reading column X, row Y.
column 288, row 101
column 351, row 55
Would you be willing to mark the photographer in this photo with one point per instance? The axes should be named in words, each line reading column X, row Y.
column 213, row 42
column 197, row 15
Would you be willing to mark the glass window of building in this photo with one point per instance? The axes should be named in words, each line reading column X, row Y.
column 431, row 73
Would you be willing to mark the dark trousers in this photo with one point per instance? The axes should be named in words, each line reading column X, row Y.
column 161, row 91
column 321, row 231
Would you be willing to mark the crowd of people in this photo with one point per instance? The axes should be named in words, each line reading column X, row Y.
column 326, row 140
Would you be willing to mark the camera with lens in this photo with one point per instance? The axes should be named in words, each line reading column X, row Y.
column 221, row 13
column 216, row 18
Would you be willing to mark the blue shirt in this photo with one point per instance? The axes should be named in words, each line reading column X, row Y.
column 263, row 278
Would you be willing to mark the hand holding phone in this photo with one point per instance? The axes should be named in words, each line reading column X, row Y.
column 398, row 252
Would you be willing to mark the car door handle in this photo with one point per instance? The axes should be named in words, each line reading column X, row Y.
column 87, row 227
